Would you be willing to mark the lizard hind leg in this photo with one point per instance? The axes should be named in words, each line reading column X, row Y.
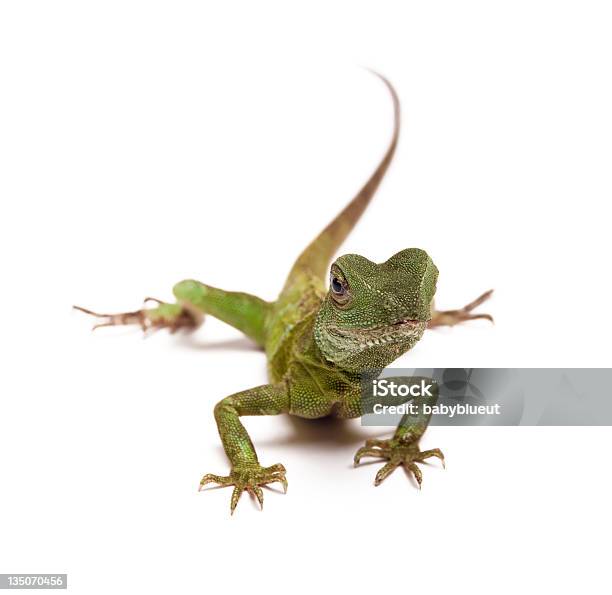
column 164, row 315
column 453, row 317
column 243, row 311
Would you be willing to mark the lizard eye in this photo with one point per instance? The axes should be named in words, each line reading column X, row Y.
column 339, row 289
column 337, row 286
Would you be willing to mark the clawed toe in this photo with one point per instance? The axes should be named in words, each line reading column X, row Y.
column 124, row 318
column 248, row 478
column 367, row 451
column 170, row 316
column 397, row 452
column 385, row 471
column 479, row 300
column 218, row 479
column 434, row 452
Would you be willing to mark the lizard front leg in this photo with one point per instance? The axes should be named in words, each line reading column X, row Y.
column 246, row 473
column 403, row 448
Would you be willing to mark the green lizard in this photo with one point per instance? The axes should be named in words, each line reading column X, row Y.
column 318, row 343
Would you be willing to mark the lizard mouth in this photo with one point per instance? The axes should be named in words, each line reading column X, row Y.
column 407, row 321
column 391, row 340
column 391, row 333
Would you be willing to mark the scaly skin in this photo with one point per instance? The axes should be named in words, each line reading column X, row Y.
column 319, row 342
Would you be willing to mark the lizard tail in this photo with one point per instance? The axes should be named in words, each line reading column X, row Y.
column 315, row 259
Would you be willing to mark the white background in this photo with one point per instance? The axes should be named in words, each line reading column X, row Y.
column 145, row 142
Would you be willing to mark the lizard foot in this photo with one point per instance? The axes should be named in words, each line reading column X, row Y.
column 170, row 316
column 452, row 317
column 248, row 477
column 397, row 451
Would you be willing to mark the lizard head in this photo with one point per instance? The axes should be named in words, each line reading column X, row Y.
column 373, row 313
